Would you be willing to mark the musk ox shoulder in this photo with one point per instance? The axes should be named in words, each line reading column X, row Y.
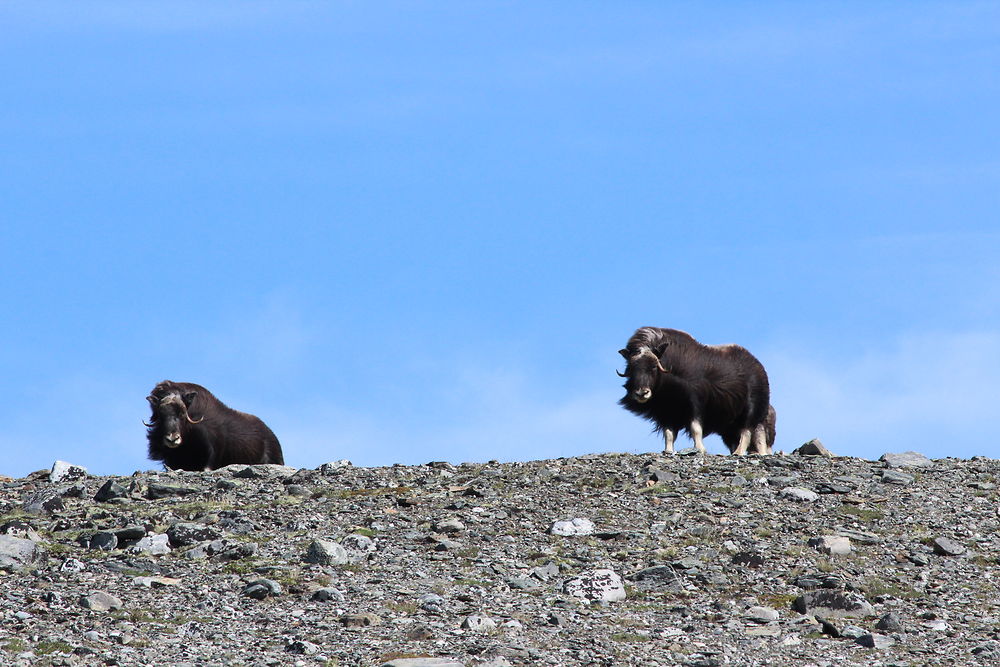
column 191, row 429
column 679, row 384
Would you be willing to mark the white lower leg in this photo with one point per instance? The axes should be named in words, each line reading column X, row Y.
column 760, row 440
column 696, row 436
column 668, row 441
column 741, row 448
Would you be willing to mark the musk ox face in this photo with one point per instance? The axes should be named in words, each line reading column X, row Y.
column 642, row 370
column 170, row 412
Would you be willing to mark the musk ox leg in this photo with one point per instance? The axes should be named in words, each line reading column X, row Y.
column 696, row 434
column 668, row 441
column 760, row 440
column 741, row 448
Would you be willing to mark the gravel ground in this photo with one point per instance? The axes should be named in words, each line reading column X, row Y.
column 610, row 559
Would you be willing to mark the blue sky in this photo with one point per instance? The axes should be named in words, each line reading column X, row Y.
column 403, row 232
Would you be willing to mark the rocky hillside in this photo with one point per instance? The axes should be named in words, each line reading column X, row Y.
column 608, row 559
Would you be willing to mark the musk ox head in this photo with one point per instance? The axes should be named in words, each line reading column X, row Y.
column 642, row 369
column 170, row 414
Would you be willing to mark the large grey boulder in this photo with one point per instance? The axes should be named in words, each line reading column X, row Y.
column 906, row 460
column 327, row 552
column 16, row 552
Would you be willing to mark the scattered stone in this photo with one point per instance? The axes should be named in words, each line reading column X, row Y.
column 155, row 582
column 832, row 545
column 420, row 633
column 44, row 503
column 100, row 601
column 326, row 552
column 763, row 631
column 334, row 467
column 571, row 527
column 64, row 472
column 103, row 541
column 947, row 547
column 831, row 487
column 359, row 620
column 813, row 448
column 859, row 536
column 130, row 534
column 16, row 552
column 186, row 534
column 749, row 559
column 157, row 491
column 661, row 476
column 327, row 595
column 262, row 588
column 152, row 545
column 478, row 623
column 301, row 647
column 876, row 641
column 22, row 529
column 890, row 623
column 449, row 526
column 799, row 494
column 262, row 471
column 897, row 478
column 832, row 604
column 601, row 585
column 761, row 614
column 110, row 490
column 906, row 460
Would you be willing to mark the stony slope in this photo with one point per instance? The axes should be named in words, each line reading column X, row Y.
column 672, row 561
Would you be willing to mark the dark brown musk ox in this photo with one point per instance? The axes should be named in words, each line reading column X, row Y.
column 679, row 384
column 193, row 430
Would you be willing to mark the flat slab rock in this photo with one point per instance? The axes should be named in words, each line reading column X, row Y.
column 906, row 460
column 833, row 604
column 569, row 527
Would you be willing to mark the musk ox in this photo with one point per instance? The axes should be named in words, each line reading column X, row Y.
column 679, row 384
column 193, row 430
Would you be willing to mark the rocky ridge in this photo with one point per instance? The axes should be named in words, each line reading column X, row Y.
column 610, row 559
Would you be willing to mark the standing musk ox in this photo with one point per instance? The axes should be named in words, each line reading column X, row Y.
column 193, row 430
column 677, row 383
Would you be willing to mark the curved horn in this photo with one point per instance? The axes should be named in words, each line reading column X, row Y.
column 193, row 421
column 145, row 424
column 660, row 366
column 620, row 374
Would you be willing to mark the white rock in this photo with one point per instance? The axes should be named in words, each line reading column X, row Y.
column 578, row 526
column 600, row 585
column 153, row 545
column 63, row 471
column 833, row 545
column 479, row 623
column 799, row 494
column 761, row 614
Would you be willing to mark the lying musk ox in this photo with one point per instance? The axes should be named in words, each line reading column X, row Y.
column 678, row 383
column 193, row 430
